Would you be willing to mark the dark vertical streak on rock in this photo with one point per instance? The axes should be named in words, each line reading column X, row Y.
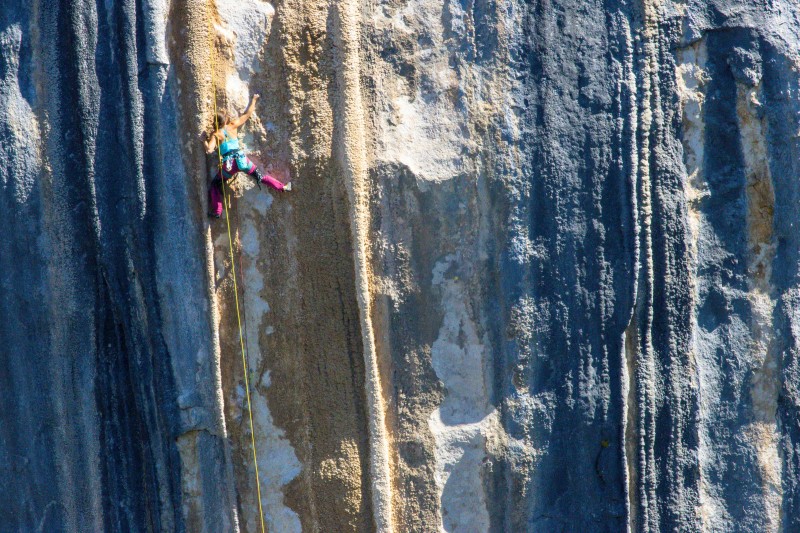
column 126, row 268
column 410, row 326
column 780, row 84
column 577, row 274
column 27, row 409
column 675, row 423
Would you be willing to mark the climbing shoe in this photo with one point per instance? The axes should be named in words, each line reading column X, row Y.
column 288, row 186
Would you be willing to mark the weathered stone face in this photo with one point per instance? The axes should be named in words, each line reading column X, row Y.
column 538, row 270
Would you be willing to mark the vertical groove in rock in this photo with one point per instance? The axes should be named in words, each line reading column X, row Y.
column 208, row 480
column 629, row 136
column 765, row 384
column 351, row 148
column 645, row 376
column 668, row 424
column 691, row 80
column 294, row 253
column 631, row 429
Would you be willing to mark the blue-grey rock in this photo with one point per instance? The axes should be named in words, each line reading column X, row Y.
column 538, row 270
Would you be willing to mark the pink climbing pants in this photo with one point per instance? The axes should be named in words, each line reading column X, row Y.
column 230, row 166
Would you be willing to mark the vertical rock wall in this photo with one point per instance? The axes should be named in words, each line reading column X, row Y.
column 108, row 411
column 538, row 271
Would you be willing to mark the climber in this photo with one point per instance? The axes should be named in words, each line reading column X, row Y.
column 233, row 158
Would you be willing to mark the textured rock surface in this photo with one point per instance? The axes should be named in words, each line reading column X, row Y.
column 539, row 271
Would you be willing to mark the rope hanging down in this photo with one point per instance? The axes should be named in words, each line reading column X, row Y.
column 235, row 288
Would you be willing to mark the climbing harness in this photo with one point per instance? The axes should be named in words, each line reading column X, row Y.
column 232, row 152
column 233, row 274
column 230, row 145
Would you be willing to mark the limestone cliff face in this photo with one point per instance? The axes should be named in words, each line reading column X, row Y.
column 538, row 272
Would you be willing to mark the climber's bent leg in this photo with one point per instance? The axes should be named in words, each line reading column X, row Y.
column 269, row 180
column 264, row 178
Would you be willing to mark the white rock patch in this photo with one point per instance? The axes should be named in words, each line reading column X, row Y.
column 462, row 422
column 422, row 127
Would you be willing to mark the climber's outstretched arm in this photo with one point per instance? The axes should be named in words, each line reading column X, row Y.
column 249, row 111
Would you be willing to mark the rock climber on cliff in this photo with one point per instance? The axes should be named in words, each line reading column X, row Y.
column 233, row 157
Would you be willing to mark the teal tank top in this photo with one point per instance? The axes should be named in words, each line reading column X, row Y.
column 230, row 144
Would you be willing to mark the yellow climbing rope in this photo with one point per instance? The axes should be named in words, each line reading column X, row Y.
column 235, row 289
